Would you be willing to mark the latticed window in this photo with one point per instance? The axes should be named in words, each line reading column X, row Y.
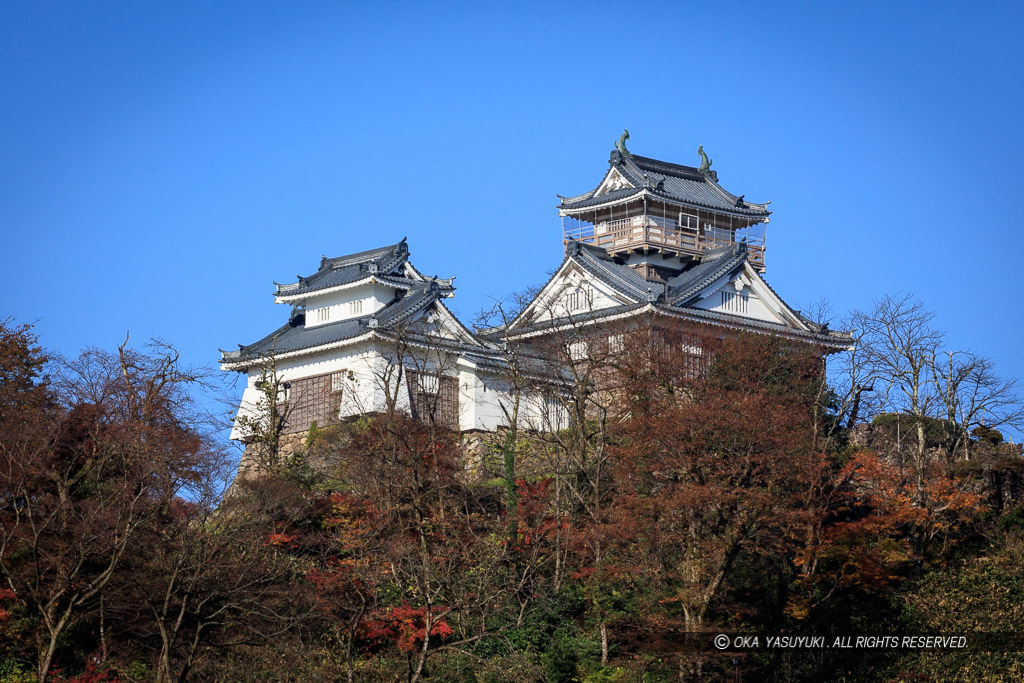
column 578, row 299
column 554, row 412
column 577, row 350
column 428, row 383
column 433, row 399
column 692, row 360
column 313, row 399
column 355, row 307
column 734, row 302
column 323, row 314
column 337, row 381
column 616, row 343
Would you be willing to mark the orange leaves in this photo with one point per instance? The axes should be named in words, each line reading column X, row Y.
column 345, row 514
column 921, row 493
column 281, row 539
column 406, row 626
column 283, row 536
column 875, row 520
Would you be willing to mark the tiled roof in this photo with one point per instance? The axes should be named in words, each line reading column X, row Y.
column 577, row 320
column 295, row 336
column 832, row 338
column 619, row 276
column 344, row 270
column 713, row 265
column 589, row 199
column 674, row 182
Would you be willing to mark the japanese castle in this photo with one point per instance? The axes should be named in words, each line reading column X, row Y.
column 654, row 240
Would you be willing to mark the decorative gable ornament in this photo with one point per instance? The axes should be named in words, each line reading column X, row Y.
column 612, row 182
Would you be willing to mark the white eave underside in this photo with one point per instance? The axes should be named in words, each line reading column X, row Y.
column 694, row 315
column 645, row 193
column 242, row 365
column 370, row 279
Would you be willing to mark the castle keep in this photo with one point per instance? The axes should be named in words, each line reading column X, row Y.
column 653, row 243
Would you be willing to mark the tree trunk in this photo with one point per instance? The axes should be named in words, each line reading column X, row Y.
column 604, row 644
column 103, row 631
column 46, row 659
column 163, row 672
column 421, row 658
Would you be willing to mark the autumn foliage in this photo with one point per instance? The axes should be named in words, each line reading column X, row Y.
column 680, row 500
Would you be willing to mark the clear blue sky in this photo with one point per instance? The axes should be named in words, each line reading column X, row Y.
column 162, row 163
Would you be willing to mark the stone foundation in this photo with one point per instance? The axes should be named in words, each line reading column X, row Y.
column 473, row 445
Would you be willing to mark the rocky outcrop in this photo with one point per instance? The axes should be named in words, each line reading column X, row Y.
column 998, row 466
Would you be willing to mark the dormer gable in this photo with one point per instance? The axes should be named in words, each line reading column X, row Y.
column 584, row 284
column 745, row 294
column 613, row 180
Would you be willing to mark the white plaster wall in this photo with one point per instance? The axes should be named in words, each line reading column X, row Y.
column 248, row 407
column 552, row 303
column 491, row 395
column 467, row 397
column 389, row 382
column 759, row 306
column 755, row 307
column 371, row 376
column 358, row 392
column 494, row 399
column 374, row 296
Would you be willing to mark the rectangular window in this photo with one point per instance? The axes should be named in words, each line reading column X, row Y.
column 734, row 302
column 337, row 381
column 355, row 307
column 577, row 299
column 616, row 343
column 688, row 221
column 578, row 350
column 429, row 384
column 554, row 412
column 693, row 349
column 323, row 314
column 692, row 361
column 312, row 399
column 434, row 399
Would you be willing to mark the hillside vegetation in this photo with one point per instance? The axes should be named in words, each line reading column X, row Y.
column 752, row 499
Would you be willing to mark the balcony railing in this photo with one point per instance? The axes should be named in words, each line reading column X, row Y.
column 626, row 233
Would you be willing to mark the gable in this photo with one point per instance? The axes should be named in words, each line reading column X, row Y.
column 571, row 291
column 613, row 180
column 444, row 323
column 746, row 295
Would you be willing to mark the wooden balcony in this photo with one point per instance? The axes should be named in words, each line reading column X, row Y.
column 641, row 233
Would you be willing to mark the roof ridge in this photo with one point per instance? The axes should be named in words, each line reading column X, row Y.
column 658, row 166
column 367, row 255
column 698, row 284
column 629, row 281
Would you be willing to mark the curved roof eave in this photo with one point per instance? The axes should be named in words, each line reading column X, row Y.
column 565, row 210
column 246, row 363
column 832, row 340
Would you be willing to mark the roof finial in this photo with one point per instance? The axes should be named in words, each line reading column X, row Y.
column 705, row 163
column 620, row 144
